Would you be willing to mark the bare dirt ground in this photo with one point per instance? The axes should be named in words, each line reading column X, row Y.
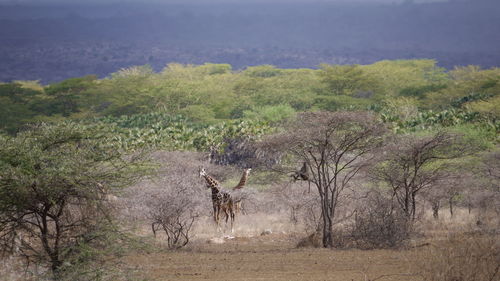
column 272, row 257
column 252, row 256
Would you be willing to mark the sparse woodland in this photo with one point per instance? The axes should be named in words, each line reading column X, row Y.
column 393, row 155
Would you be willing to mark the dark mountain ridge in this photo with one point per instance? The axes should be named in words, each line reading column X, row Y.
column 55, row 42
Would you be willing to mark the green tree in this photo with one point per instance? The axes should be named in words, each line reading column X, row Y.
column 65, row 97
column 54, row 182
column 270, row 114
column 469, row 84
column 18, row 106
column 262, row 71
column 396, row 75
column 346, row 79
column 128, row 91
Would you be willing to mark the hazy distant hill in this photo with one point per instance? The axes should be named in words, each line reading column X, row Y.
column 52, row 43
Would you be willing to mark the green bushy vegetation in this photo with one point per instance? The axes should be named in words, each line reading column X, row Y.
column 411, row 94
column 162, row 131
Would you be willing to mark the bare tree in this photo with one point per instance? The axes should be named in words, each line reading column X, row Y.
column 301, row 205
column 488, row 197
column 447, row 189
column 174, row 213
column 491, row 167
column 335, row 147
column 411, row 164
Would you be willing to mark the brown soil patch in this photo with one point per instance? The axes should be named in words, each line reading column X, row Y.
column 272, row 257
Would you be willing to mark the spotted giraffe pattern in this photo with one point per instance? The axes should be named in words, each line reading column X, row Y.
column 243, row 179
column 222, row 200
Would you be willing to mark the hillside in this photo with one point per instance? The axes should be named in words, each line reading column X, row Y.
column 53, row 43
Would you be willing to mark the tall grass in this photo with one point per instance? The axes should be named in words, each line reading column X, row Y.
column 461, row 257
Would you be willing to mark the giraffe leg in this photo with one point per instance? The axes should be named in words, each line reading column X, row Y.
column 219, row 229
column 227, row 218
column 232, row 221
column 227, row 215
column 215, row 214
column 217, row 217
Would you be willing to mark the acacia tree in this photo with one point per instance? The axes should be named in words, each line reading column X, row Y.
column 489, row 171
column 411, row 164
column 446, row 189
column 54, row 181
column 346, row 79
column 335, row 147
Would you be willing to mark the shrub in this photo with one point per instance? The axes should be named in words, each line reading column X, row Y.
column 174, row 213
column 461, row 258
column 377, row 224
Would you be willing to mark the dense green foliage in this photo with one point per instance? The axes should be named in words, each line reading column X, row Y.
column 140, row 105
column 162, row 131
column 54, row 180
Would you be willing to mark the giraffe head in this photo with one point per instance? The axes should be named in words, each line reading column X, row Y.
column 202, row 172
column 211, row 182
column 247, row 171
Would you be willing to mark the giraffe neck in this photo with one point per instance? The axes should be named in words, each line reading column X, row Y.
column 211, row 182
column 243, row 180
column 215, row 192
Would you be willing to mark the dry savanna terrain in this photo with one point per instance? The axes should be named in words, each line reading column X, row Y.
column 274, row 235
column 259, row 251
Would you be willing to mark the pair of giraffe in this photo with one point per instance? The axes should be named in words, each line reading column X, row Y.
column 222, row 200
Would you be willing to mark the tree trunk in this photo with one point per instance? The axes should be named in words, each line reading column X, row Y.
column 450, row 201
column 413, row 207
column 407, row 205
column 435, row 209
column 55, row 266
column 293, row 215
column 327, row 223
column 327, row 232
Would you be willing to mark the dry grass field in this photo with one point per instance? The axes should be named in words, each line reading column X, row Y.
column 264, row 247
column 272, row 257
column 254, row 254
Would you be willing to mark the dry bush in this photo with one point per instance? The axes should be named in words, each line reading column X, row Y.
column 378, row 224
column 177, row 170
column 171, row 201
column 174, row 213
column 177, row 201
column 238, row 151
column 487, row 203
column 302, row 209
column 461, row 258
column 301, row 204
column 313, row 240
column 14, row 269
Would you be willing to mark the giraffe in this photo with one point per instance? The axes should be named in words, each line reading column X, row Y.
column 237, row 204
column 222, row 201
